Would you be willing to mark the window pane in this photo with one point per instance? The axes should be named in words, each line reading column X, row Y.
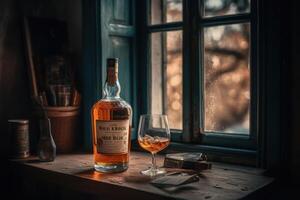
column 227, row 78
column 165, row 11
column 166, row 76
column 225, row 7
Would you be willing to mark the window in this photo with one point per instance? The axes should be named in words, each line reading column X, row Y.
column 202, row 69
column 184, row 76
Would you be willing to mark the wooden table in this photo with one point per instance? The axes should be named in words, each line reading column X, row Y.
column 76, row 172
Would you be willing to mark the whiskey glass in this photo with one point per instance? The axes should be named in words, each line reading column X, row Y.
column 153, row 136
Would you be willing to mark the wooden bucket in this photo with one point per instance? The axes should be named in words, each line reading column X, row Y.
column 64, row 127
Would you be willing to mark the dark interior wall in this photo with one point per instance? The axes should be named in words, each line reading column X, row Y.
column 14, row 84
column 294, row 77
column 14, row 93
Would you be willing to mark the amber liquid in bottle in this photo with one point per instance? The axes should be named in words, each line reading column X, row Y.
column 111, row 126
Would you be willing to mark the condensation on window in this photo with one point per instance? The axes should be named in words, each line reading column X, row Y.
column 227, row 78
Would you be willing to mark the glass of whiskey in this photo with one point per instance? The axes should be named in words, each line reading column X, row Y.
column 153, row 136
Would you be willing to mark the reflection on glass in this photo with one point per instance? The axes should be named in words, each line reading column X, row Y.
column 166, row 76
column 225, row 7
column 165, row 11
column 227, row 78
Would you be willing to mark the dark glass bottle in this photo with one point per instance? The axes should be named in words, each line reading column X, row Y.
column 46, row 144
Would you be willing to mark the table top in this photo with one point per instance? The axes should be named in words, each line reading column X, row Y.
column 76, row 171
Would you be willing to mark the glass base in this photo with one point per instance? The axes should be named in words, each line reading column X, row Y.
column 153, row 172
column 111, row 168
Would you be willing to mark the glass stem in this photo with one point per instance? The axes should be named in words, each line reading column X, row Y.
column 153, row 161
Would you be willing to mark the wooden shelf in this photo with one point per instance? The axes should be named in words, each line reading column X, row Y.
column 76, row 172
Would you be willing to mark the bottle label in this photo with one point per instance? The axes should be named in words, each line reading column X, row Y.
column 112, row 136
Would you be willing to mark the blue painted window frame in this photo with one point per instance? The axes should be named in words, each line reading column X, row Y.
column 192, row 102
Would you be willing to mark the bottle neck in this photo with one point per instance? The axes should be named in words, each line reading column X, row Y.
column 45, row 128
column 112, row 86
column 112, row 91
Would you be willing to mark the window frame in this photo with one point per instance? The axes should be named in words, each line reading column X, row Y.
column 193, row 101
column 191, row 134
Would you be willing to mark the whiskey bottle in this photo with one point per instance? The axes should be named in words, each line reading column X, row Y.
column 111, row 125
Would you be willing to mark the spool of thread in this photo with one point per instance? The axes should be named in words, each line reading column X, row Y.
column 19, row 131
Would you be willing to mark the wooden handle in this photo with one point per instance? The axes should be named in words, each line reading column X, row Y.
column 29, row 59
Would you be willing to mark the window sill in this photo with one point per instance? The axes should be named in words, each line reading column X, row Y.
column 215, row 153
column 75, row 172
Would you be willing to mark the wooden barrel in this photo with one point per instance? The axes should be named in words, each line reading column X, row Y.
column 64, row 127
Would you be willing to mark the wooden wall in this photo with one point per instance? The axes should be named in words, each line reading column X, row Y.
column 14, row 85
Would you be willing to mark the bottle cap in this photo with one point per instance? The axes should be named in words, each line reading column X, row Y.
column 112, row 61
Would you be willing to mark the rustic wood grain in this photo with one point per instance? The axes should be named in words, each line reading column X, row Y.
column 76, row 172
